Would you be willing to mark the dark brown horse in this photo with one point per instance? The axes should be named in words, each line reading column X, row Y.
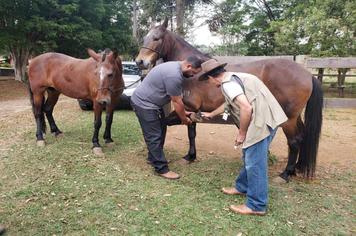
column 98, row 78
column 292, row 85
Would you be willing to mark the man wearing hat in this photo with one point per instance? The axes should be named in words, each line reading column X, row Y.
column 257, row 114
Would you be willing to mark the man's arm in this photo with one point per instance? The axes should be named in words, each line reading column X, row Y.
column 245, row 117
column 217, row 111
column 179, row 108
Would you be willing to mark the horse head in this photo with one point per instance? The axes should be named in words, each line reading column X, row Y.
column 109, row 72
column 153, row 46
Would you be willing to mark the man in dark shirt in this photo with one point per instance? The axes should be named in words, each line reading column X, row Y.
column 163, row 84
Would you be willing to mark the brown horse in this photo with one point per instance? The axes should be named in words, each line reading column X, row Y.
column 292, row 85
column 98, row 78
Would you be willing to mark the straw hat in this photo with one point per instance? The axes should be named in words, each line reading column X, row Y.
column 209, row 66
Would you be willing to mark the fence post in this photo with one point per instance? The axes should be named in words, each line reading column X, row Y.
column 341, row 80
column 320, row 74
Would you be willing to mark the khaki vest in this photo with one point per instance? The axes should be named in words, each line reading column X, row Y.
column 266, row 111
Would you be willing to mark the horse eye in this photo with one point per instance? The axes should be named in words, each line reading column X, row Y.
column 110, row 76
column 155, row 39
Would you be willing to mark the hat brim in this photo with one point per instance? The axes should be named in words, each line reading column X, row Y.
column 204, row 76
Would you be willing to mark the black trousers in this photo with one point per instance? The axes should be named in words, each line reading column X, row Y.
column 154, row 132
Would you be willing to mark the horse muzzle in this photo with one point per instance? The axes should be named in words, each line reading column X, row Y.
column 104, row 100
column 144, row 64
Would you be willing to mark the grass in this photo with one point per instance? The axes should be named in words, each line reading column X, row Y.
column 64, row 189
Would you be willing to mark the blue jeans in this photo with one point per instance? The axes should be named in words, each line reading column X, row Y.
column 253, row 177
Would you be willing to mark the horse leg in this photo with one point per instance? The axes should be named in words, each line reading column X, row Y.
column 293, row 129
column 97, row 124
column 39, row 117
column 109, row 118
column 48, row 109
column 192, row 153
column 173, row 119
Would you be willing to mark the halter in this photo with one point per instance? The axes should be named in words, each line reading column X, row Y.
column 154, row 50
column 122, row 87
column 110, row 87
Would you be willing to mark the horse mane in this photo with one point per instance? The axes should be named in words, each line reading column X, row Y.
column 180, row 40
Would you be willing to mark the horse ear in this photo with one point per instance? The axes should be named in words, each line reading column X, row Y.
column 114, row 56
column 165, row 23
column 93, row 54
column 115, row 53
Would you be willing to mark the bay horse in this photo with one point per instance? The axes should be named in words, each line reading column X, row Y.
column 293, row 86
column 98, row 78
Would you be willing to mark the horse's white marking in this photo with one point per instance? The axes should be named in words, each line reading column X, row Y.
column 101, row 74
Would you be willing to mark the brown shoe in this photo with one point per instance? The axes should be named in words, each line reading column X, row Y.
column 231, row 191
column 2, row 229
column 170, row 175
column 244, row 210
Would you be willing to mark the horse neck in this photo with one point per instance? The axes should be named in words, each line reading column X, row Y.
column 177, row 49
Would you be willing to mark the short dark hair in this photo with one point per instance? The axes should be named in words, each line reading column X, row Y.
column 194, row 61
column 217, row 71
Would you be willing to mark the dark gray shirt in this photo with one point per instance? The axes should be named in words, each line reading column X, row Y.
column 161, row 82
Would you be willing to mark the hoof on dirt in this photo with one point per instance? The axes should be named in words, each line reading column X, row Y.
column 98, row 152
column 40, row 143
column 279, row 180
column 184, row 162
column 110, row 145
column 58, row 135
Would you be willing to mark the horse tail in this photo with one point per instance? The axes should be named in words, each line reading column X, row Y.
column 313, row 117
column 31, row 94
column 33, row 104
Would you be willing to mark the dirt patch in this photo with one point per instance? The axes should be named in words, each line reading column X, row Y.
column 11, row 89
column 337, row 145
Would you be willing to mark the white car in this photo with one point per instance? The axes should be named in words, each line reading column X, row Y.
column 132, row 78
column 131, row 75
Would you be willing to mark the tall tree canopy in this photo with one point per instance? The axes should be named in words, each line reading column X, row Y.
column 272, row 27
column 67, row 26
column 177, row 10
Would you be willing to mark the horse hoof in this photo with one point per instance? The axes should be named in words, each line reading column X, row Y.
column 279, row 180
column 98, row 152
column 110, row 145
column 184, row 162
column 41, row 143
column 58, row 135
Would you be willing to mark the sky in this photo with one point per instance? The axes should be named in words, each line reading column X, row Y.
column 200, row 35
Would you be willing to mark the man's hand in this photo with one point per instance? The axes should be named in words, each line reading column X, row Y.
column 240, row 138
column 179, row 108
column 188, row 113
column 207, row 115
column 187, row 121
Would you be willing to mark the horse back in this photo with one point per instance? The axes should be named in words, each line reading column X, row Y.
column 66, row 74
column 289, row 82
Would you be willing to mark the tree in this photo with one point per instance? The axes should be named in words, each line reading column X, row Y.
column 275, row 27
column 318, row 28
column 36, row 26
column 159, row 9
column 247, row 23
column 181, row 8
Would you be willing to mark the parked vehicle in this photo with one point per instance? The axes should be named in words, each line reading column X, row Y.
column 131, row 75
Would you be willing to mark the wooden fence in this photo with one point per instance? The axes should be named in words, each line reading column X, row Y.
column 342, row 64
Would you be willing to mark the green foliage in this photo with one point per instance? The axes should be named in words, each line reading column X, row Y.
column 274, row 27
column 319, row 28
column 68, row 26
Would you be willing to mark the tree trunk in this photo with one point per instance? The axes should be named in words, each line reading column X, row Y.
column 20, row 56
column 180, row 16
column 134, row 19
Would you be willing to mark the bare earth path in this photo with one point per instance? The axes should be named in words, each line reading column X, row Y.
column 337, row 145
